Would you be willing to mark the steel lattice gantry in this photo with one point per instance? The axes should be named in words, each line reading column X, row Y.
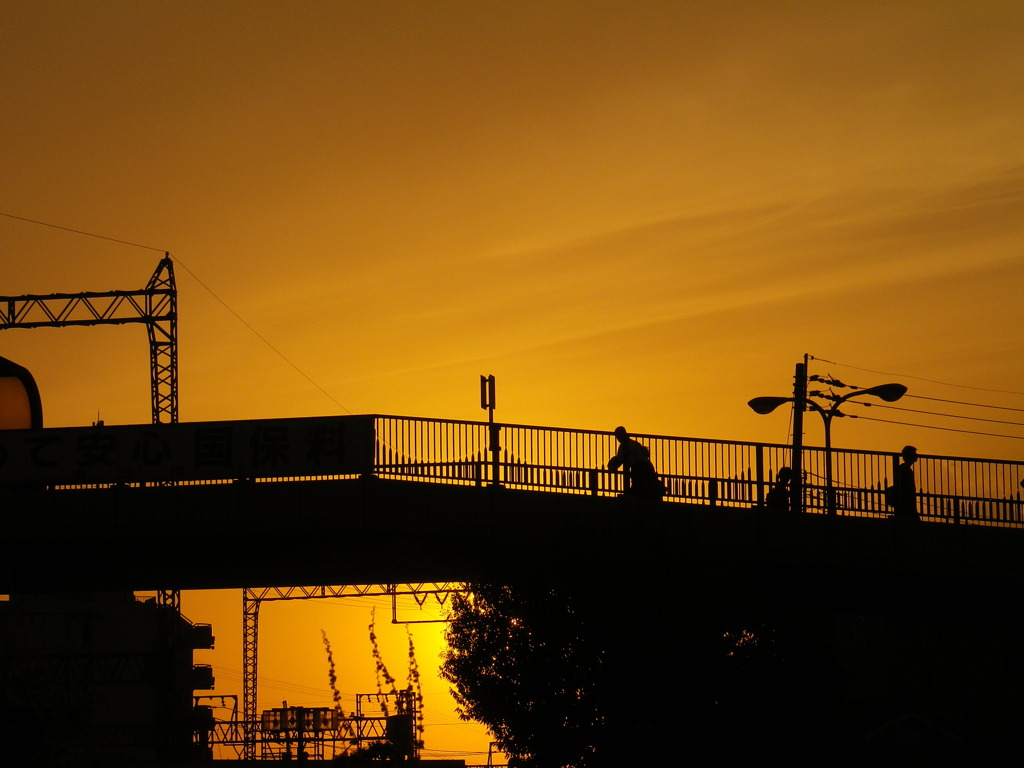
column 156, row 306
column 253, row 598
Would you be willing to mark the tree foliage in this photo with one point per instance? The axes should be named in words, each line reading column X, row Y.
column 527, row 662
column 593, row 675
column 566, row 675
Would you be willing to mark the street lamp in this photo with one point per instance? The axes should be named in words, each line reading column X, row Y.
column 890, row 393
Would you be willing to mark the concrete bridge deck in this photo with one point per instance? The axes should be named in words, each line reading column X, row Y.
column 369, row 530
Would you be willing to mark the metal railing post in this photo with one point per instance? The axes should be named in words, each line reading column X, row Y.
column 495, row 437
column 759, row 463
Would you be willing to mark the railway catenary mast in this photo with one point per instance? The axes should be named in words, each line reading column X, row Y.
column 156, row 306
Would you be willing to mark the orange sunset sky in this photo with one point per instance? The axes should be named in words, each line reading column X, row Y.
column 640, row 213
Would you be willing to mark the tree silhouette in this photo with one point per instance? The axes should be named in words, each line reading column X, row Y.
column 522, row 661
column 570, row 675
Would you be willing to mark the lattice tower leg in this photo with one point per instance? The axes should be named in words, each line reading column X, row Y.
column 162, row 325
column 250, row 627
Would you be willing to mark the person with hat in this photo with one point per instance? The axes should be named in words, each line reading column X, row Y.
column 906, row 486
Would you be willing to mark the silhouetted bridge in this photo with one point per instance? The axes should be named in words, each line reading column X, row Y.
column 386, row 499
column 417, row 505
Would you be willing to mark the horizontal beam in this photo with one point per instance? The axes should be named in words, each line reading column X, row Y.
column 61, row 310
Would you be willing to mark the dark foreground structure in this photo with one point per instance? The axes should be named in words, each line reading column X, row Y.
column 92, row 676
column 882, row 641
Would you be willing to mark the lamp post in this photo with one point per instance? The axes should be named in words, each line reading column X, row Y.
column 890, row 393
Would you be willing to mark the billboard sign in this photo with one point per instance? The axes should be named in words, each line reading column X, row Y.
column 216, row 450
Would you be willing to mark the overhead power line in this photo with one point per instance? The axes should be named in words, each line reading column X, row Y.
column 935, row 413
column 973, row 405
column 918, row 378
column 195, row 277
column 82, row 232
column 266, row 341
column 944, row 429
column 870, row 404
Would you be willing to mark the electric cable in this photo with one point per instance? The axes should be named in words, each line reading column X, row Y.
column 932, row 399
column 960, row 402
column 195, row 277
column 918, row 378
column 82, row 232
column 934, row 413
column 943, row 429
column 262, row 338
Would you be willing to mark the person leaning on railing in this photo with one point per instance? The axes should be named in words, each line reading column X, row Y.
column 642, row 478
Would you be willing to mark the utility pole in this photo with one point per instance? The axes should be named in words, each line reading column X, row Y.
column 799, row 406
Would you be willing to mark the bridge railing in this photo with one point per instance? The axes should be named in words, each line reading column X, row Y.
column 715, row 472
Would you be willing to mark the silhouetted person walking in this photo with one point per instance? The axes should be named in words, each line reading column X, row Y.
column 641, row 478
column 906, row 486
column 778, row 499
